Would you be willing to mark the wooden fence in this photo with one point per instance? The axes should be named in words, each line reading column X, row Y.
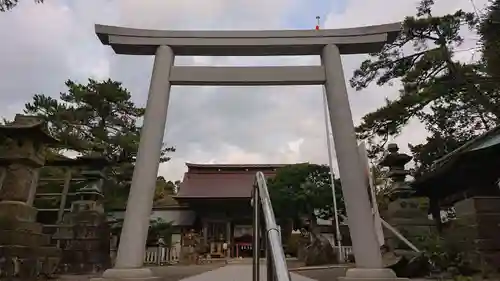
column 161, row 256
column 346, row 252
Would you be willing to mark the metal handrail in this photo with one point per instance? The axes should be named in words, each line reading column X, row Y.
column 275, row 257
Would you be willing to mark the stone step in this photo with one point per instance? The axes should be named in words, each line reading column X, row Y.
column 26, row 252
column 27, row 263
column 21, row 225
column 18, row 211
column 23, row 238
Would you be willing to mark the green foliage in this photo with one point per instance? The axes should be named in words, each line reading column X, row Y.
column 436, row 146
column 304, row 190
column 489, row 31
column 97, row 118
column 446, row 256
column 164, row 188
column 159, row 228
column 453, row 99
column 6, row 5
column 383, row 188
column 164, row 192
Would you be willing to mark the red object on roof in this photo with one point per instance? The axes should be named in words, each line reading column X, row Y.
column 222, row 180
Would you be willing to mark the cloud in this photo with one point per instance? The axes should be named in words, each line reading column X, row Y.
column 44, row 45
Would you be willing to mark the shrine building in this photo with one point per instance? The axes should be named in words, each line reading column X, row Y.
column 220, row 197
column 214, row 201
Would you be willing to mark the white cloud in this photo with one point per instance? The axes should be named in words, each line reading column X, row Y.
column 46, row 44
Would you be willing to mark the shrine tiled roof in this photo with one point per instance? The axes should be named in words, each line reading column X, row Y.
column 235, row 166
column 222, row 180
column 472, row 164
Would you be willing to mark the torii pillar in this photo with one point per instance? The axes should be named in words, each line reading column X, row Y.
column 329, row 44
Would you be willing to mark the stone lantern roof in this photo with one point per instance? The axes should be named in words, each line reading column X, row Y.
column 90, row 189
column 394, row 158
column 396, row 162
column 24, row 141
column 31, row 127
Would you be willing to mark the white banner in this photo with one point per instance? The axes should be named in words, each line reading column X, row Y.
column 363, row 154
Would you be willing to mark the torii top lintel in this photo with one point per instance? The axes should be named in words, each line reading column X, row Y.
column 358, row 40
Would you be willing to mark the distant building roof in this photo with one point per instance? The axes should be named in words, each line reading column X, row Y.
column 222, row 180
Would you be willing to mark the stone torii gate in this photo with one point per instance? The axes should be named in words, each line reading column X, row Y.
column 165, row 45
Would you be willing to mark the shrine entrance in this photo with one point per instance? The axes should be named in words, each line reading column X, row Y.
column 165, row 45
column 217, row 234
column 243, row 241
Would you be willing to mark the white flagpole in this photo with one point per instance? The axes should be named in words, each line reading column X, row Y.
column 332, row 178
column 330, row 160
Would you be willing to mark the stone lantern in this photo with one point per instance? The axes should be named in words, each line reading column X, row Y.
column 396, row 162
column 406, row 213
column 23, row 246
column 90, row 198
column 84, row 234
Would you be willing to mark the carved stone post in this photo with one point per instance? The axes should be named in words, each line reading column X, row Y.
column 84, row 232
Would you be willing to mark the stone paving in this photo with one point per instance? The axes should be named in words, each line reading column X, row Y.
column 238, row 272
column 235, row 271
column 168, row 273
column 183, row 272
column 322, row 273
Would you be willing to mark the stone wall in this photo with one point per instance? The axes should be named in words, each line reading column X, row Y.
column 477, row 230
column 409, row 216
column 24, row 249
column 85, row 244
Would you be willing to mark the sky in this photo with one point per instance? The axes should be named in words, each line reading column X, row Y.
column 43, row 45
